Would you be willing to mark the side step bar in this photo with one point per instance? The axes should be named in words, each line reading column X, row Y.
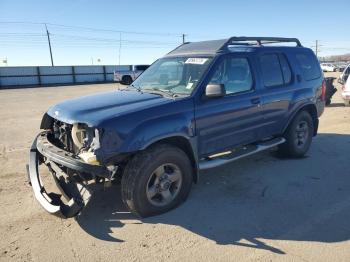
column 239, row 153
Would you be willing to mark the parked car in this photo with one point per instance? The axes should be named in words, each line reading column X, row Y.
column 344, row 75
column 328, row 67
column 341, row 67
column 203, row 105
column 126, row 77
column 346, row 92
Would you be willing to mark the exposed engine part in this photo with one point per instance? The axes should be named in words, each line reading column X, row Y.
column 78, row 134
column 62, row 134
column 79, row 139
column 95, row 143
column 89, row 157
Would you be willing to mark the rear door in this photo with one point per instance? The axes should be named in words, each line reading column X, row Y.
column 277, row 89
column 225, row 122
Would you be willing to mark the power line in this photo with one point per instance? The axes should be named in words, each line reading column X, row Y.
column 110, row 39
column 92, row 28
column 316, row 47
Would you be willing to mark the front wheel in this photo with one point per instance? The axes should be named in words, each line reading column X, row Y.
column 126, row 80
column 156, row 180
column 298, row 136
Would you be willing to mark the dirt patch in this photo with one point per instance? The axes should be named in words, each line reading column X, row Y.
column 260, row 208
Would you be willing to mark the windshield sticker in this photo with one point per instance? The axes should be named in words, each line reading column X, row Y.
column 189, row 85
column 196, row 60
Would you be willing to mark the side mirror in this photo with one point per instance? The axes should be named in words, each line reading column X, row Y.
column 215, row 90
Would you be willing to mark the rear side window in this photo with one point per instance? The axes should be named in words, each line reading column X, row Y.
column 309, row 66
column 287, row 74
column 271, row 70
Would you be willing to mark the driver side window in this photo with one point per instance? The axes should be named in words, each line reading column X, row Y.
column 235, row 74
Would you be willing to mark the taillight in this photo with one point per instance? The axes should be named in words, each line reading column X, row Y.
column 323, row 95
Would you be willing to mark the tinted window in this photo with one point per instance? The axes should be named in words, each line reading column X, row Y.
column 309, row 66
column 287, row 74
column 141, row 67
column 235, row 74
column 271, row 70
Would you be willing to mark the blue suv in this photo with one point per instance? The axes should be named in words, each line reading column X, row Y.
column 202, row 105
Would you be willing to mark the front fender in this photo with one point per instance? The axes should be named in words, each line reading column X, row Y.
column 137, row 130
column 154, row 130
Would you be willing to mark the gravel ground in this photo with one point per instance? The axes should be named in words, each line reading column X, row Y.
column 261, row 208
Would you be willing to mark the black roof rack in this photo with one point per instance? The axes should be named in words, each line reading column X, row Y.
column 221, row 45
column 237, row 40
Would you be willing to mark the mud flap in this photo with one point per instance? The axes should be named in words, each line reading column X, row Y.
column 76, row 194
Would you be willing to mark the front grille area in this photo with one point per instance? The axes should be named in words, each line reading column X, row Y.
column 63, row 138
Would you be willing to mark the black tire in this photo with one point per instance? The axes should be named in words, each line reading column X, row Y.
column 293, row 147
column 126, row 80
column 139, row 171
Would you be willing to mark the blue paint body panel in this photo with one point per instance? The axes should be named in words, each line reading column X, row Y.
column 133, row 120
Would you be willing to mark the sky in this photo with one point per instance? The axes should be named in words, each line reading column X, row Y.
column 114, row 32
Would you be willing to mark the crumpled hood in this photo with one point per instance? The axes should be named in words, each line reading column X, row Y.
column 93, row 109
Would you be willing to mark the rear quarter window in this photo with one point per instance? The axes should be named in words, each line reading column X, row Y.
column 271, row 70
column 309, row 66
column 287, row 73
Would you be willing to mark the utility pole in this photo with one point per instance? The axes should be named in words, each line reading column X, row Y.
column 316, row 47
column 183, row 38
column 48, row 39
column 120, row 46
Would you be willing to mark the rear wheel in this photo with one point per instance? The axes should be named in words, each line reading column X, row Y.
column 298, row 136
column 126, row 80
column 156, row 180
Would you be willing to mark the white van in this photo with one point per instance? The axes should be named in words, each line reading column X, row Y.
column 346, row 92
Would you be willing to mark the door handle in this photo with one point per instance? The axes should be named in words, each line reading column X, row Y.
column 255, row 101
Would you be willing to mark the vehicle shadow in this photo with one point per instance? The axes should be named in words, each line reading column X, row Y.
column 257, row 198
column 336, row 105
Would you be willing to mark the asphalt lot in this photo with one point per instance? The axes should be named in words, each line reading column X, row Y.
column 261, row 208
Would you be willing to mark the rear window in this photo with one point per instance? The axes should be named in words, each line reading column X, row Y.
column 309, row 66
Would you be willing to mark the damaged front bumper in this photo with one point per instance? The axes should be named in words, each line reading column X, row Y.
column 72, row 185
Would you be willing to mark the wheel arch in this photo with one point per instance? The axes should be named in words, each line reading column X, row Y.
column 312, row 110
column 185, row 145
column 126, row 77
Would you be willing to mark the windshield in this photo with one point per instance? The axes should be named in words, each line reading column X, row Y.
column 176, row 75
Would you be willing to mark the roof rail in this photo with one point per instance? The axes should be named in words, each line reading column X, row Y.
column 259, row 40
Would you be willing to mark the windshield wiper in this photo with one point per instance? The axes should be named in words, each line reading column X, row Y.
column 136, row 87
column 159, row 91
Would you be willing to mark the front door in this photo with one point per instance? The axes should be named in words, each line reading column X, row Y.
column 225, row 122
